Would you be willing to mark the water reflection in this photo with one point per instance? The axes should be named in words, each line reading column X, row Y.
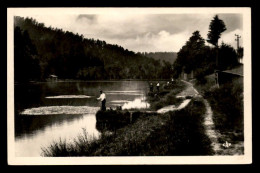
column 33, row 132
column 30, row 145
column 33, row 124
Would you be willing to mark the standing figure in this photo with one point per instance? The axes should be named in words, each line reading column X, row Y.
column 151, row 87
column 158, row 87
column 102, row 98
column 172, row 80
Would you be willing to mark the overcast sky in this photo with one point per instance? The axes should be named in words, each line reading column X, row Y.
column 144, row 32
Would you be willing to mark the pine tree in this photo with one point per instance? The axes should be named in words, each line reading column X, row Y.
column 216, row 27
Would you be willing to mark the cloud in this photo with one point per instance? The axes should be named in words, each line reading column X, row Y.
column 128, row 26
column 154, row 42
column 64, row 22
column 229, row 38
column 143, row 32
column 91, row 17
column 232, row 21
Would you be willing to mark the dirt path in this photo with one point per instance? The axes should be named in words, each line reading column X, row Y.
column 209, row 125
column 189, row 91
column 210, row 129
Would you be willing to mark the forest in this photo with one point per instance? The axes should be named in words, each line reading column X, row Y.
column 162, row 56
column 41, row 51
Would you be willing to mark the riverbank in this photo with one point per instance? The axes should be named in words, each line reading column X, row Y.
column 177, row 132
column 79, row 80
column 173, row 133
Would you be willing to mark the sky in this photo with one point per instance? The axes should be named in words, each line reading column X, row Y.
column 145, row 32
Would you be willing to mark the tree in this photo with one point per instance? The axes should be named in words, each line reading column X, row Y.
column 216, row 27
column 189, row 54
column 195, row 56
column 228, row 57
column 26, row 64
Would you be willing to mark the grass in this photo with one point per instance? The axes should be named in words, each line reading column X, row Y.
column 227, row 106
column 62, row 148
column 188, row 133
column 205, row 86
column 174, row 133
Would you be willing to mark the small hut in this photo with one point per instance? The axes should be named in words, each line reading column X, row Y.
column 53, row 78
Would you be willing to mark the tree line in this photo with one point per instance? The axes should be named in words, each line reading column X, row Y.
column 41, row 51
column 201, row 59
column 162, row 56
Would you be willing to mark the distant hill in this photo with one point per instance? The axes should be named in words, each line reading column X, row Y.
column 41, row 51
column 166, row 56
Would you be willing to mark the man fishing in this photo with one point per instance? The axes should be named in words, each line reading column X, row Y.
column 102, row 98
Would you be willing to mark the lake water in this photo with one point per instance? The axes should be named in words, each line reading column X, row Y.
column 61, row 110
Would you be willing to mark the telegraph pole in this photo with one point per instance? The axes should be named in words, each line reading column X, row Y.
column 238, row 52
column 217, row 67
column 237, row 39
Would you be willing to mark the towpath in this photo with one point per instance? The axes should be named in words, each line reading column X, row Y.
column 208, row 123
column 191, row 92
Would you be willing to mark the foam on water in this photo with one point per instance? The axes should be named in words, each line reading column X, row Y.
column 52, row 110
column 119, row 101
column 137, row 103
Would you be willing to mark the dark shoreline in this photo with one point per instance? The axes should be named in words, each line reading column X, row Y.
column 107, row 80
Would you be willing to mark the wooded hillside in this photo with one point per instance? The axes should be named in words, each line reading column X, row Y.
column 41, row 51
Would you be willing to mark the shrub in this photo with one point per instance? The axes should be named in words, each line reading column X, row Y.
column 227, row 104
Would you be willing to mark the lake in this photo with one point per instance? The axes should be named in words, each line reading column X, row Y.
column 53, row 111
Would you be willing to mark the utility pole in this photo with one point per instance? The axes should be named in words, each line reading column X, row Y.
column 217, row 67
column 238, row 51
column 237, row 39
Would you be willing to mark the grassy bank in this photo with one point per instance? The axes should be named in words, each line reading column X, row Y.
column 166, row 96
column 227, row 106
column 111, row 120
column 174, row 133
